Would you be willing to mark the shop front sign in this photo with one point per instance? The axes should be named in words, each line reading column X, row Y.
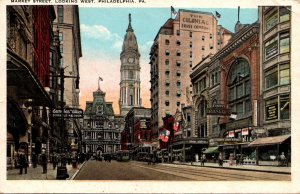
column 259, row 131
column 245, row 131
column 223, row 141
column 272, row 112
column 231, row 134
column 218, row 109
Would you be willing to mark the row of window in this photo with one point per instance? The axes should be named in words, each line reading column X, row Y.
column 178, row 42
column 215, row 78
column 178, row 84
column 191, row 35
column 274, row 18
column 276, row 76
column 101, row 135
column 167, row 103
column 178, row 93
column 178, row 52
column 200, row 85
column 178, row 74
column 279, row 44
column 178, row 63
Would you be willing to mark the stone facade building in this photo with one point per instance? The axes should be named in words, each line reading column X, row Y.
column 101, row 132
column 130, row 83
column 275, row 86
column 30, row 39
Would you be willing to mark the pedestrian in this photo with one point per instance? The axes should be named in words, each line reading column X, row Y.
column 231, row 158
column 23, row 164
column 34, row 160
column 220, row 160
column 149, row 159
column 203, row 158
column 237, row 160
column 44, row 162
column 241, row 159
column 54, row 161
column 282, row 159
column 153, row 159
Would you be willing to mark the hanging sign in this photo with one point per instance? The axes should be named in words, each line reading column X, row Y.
column 68, row 113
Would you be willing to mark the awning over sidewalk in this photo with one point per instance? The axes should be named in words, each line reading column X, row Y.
column 269, row 140
column 211, row 150
column 21, row 76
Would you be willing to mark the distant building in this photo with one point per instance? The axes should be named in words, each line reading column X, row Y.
column 101, row 132
column 130, row 83
column 137, row 131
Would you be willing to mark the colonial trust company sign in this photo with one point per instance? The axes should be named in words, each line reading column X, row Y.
column 197, row 22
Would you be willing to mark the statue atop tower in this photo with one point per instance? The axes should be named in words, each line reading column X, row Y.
column 130, row 72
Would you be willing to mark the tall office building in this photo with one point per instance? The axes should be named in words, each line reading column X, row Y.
column 179, row 45
column 68, row 27
column 130, row 90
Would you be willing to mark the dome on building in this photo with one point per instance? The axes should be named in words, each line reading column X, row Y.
column 130, row 42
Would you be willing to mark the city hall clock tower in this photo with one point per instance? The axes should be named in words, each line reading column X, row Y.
column 130, row 90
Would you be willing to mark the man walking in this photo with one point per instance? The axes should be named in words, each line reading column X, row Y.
column 23, row 164
column 203, row 158
column 44, row 162
column 54, row 161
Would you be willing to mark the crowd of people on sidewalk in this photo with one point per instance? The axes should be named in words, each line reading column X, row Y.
column 21, row 162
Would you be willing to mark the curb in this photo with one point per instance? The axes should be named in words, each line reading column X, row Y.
column 257, row 170
column 75, row 174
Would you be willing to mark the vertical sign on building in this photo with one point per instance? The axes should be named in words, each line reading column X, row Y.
column 255, row 113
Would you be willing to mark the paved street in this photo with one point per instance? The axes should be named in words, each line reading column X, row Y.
column 95, row 170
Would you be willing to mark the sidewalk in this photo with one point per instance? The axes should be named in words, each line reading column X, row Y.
column 36, row 173
column 274, row 169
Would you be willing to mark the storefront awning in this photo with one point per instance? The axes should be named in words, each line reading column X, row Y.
column 269, row 140
column 21, row 76
column 211, row 150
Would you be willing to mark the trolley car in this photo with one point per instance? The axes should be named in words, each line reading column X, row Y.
column 123, row 155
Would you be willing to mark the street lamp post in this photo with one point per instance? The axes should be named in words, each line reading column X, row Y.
column 62, row 89
column 62, row 171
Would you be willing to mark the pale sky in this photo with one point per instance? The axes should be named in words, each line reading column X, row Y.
column 102, row 34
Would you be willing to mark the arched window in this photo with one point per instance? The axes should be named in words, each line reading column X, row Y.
column 202, row 108
column 239, row 87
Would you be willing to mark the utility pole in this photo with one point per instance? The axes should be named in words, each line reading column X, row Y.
column 62, row 88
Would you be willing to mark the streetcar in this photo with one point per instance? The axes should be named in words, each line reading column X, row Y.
column 123, row 155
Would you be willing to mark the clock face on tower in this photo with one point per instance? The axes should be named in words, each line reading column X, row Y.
column 130, row 60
